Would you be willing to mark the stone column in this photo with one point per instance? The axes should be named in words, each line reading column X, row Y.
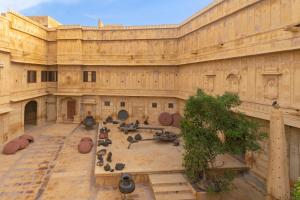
column 77, row 117
column 98, row 109
column 39, row 114
column 59, row 118
column 278, row 170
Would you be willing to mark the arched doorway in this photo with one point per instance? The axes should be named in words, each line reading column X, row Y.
column 30, row 113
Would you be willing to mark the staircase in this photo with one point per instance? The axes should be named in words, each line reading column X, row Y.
column 171, row 186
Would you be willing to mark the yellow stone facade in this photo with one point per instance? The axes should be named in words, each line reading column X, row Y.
column 249, row 47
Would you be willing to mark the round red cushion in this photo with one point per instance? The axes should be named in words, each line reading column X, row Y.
column 87, row 139
column 84, row 147
column 23, row 143
column 27, row 137
column 11, row 147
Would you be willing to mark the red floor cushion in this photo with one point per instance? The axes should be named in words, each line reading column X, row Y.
column 87, row 139
column 27, row 137
column 85, row 147
column 11, row 148
column 23, row 143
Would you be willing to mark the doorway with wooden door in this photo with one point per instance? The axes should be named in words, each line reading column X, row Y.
column 30, row 114
column 71, row 110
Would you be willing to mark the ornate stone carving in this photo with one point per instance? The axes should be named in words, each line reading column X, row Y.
column 233, row 83
column 271, row 84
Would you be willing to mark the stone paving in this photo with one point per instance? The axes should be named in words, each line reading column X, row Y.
column 52, row 169
column 26, row 174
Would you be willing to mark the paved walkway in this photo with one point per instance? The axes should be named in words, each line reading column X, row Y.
column 41, row 170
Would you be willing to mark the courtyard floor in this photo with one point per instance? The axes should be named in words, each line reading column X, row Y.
column 151, row 156
column 51, row 168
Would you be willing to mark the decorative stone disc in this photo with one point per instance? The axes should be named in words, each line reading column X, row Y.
column 165, row 119
column 11, row 148
column 176, row 120
column 123, row 115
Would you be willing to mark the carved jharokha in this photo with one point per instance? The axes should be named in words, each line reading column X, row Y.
column 250, row 48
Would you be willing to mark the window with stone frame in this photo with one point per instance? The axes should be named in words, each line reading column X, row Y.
column 122, row 104
column 107, row 103
column 89, row 76
column 154, row 105
column 49, row 76
column 170, row 105
column 31, row 76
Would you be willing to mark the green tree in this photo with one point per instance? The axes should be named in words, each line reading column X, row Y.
column 296, row 191
column 205, row 119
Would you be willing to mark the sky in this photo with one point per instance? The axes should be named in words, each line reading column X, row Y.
column 125, row 12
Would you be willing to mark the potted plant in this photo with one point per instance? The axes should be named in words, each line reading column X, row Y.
column 210, row 128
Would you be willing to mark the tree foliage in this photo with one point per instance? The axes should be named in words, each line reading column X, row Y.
column 296, row 191
column 205, row 119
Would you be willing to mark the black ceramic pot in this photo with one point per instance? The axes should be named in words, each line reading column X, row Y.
column 126, row 184
column 89, row 121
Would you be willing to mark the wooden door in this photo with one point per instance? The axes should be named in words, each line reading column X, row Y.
column 71, row 106
column 30, row 115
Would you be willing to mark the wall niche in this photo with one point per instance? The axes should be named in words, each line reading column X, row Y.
column 271, row 84
column 233, row 83
column 210, row 82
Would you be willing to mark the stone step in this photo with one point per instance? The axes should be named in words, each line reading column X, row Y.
column 165, row 179
column 256, row 182
column 187, row 196
column 163, row 189
column 171, row 186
